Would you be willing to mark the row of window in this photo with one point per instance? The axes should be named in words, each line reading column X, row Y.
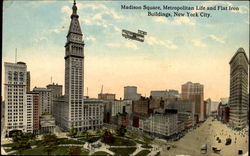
column 14, row 76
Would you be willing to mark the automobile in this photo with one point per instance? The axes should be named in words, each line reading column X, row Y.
column 240, row 152
column 204, row 149
column 215, row 150
column 228, row 141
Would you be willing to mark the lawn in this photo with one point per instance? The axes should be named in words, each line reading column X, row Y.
column 146, row 146
column 140, row 142
column 91, row 139
column 8, row 145
column 119, row 141
column 123, row 151
column 8, row 150
column 100, row 153
column 68, row 141
column 143, row 153
column 58, row 151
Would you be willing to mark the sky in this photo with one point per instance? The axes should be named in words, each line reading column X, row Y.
column 176, row 49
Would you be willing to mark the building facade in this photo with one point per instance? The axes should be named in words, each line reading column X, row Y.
column 15, row 97
column 187, row 118
column 45, row 100
column 164, row 94
column 223, row 112
column 194, row 92
column 130, row 93
column 121, row 106
column 56, row 90
column 28, row 82
column 208, row 106
column 47, row 122
column 59, row 110
column 36, row 113
column 238, row 99
column 183, row 107
column 30, row 103
column 141, row 106
column 161, row 124
column 93, row 114
column 106, row 96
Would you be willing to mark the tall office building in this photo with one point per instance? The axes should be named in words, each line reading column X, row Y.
column 74, row 78
column 238, row 100
column 56, row 90
column 45, row 100
column 194, row 92
column 15, row 97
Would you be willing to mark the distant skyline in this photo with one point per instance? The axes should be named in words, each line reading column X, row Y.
column 175, row 51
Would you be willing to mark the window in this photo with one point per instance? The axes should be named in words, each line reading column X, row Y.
column 10, row 75
column 15, row 76
column 21, row 76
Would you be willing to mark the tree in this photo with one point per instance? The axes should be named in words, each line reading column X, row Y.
column 99, row 132
column 74, row 151
column 73, row 132
column 22, row 141
column 121, row 131
column 108, row 137
column 50, row 142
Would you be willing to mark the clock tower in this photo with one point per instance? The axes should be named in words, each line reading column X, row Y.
column 74, row 75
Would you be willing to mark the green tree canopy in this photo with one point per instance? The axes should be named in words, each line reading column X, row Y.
column 121, row 131
column 73, row 132
column 22, row 141
column 50, row 142
column 108, row 137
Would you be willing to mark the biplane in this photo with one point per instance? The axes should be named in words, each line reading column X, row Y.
column 134, row 36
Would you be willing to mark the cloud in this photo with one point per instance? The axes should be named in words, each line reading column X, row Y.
column 183, row 20
column 66, row 9
column 160, row 19
column 90, row 38
column 113, row 45
column 116, row 28
column 86, row 21
column 102, row 10
column 130, row 44
column 198, row 43
column 38, row 40
column 37, row 3
column 215, row 38
column 93, row 6
column 59, row 29
column 154, row 41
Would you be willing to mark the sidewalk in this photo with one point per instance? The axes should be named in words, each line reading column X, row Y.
column 103, row 148
column 138, row 149
column 155, row 150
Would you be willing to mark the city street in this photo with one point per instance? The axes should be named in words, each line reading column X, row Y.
column 207, row 133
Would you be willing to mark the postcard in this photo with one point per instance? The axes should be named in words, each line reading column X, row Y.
column 105, row 77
